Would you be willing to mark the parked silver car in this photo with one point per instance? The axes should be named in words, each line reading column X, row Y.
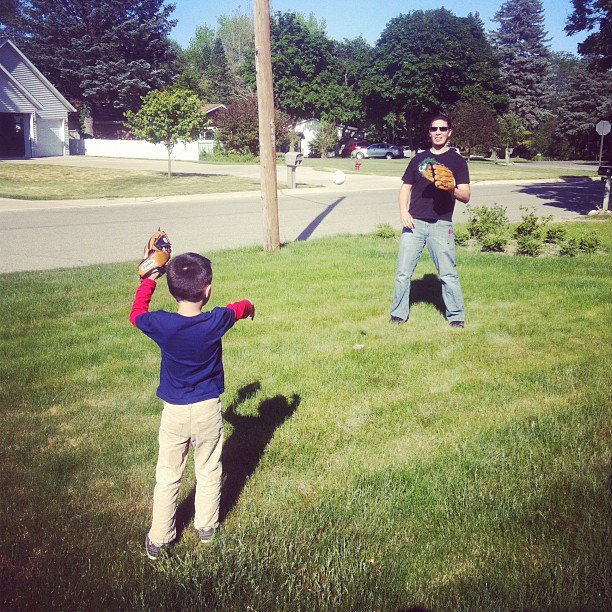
column 378, row 149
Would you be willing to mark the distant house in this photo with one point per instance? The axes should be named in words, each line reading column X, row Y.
column 212, row 110
column 33, row 114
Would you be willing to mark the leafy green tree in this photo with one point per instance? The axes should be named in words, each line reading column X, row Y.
column 427, row 61
column 592, row 15
column 475, row 126
column 238, row 127
column 307, row 79
column 168, row 117
column 325, row 140
column 106, row 54
column 525, row 59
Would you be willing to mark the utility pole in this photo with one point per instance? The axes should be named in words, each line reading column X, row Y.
column 265, row 104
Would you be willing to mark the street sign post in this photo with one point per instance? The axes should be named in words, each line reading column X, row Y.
column 602, row 128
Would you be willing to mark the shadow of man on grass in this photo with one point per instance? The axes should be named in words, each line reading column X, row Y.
column 243, row 450
column 427, row 289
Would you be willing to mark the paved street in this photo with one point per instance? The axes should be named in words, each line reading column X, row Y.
column 106, row 231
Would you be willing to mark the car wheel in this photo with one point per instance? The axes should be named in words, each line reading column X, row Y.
column 359, row 155
column 389, row 155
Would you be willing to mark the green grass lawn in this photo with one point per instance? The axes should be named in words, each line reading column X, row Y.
column 479, row 170
column 368, row 466
column 48, row 182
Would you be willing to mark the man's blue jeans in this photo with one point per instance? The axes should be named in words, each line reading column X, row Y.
column 440, row 240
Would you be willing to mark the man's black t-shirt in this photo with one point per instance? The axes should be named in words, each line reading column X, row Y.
column 427, row 202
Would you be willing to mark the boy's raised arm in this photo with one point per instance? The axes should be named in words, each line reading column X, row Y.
column 242, row 309
column 140, row 305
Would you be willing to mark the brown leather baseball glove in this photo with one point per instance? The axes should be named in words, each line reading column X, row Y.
column 441, row 176
column 156, row 255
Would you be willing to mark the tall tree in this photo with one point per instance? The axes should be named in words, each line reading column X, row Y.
column 104, row 53
column 426, row 61
column 236, row 32
column 307, row 78
column 592, row 15
column 585, row 99
column 525, row 58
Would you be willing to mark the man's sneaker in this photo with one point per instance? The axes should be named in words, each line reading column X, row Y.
column 152, row 549
column 206, row 535
column 457, row 324
column 396, row 320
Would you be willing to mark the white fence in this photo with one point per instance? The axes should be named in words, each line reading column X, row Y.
column 97, row 147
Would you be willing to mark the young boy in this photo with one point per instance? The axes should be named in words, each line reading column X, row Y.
column 191, row 381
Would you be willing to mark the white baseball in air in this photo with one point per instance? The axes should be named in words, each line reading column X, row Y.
column 338, row 177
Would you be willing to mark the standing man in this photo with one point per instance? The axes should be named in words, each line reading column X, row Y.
column 433, row 180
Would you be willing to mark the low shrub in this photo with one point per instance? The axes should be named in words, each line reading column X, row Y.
column 485, row 220
column 589, row 243
column 529, row 245
column 531, row 226
column 461, row 236
column 555, row 234
column 570, row 247
column 384, row 230
column 494, row 243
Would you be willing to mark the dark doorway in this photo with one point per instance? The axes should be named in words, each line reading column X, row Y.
column 12, row 141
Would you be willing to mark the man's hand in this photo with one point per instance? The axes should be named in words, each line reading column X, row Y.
column 407, row 220
column 404, row 199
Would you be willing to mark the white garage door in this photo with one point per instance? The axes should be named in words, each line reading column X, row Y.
column 49, row 137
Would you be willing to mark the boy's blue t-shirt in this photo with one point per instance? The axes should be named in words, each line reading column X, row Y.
column 191, row 367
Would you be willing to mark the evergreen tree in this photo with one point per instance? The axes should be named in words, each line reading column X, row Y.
column 585, row 99
column 592, row 15
column 524, row 58
column 106, row 54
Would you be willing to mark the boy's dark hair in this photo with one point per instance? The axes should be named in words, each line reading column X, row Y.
column 188, row 274
column 441, row 117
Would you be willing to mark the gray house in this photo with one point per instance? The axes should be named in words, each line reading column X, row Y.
column 33, row 114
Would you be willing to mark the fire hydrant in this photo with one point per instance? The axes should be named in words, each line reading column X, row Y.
column 358, row 164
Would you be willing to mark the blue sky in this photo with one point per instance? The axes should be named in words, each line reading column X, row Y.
column 351, row 18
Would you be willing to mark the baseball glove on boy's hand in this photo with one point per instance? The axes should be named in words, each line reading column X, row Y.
column 157, row 253
column 441, row 176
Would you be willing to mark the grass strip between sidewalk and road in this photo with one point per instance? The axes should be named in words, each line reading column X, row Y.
column 479, row 170
column 53, row 182
column 50, row 182
column 368, row 466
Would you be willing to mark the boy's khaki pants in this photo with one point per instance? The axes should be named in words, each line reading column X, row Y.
column 201, row 426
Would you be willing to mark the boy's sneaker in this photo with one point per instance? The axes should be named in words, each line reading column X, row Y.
column 206, row 535
column 152, row 549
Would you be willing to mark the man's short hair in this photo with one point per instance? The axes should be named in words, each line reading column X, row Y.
column 188, row 275
column 441, row 117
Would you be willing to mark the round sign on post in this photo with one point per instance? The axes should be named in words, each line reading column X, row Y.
column 603, row 128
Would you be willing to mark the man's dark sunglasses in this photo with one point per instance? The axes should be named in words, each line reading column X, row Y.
column 435, row 129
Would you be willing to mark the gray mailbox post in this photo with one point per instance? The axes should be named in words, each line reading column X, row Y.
column 606, row 175
column 292, row 161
